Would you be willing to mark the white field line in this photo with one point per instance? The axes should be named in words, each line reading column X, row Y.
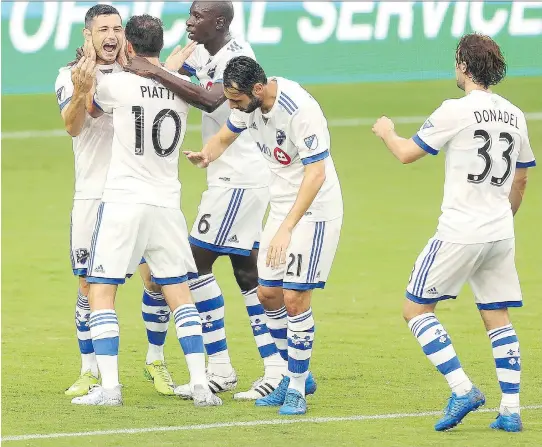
column 285, row 421
column 341, row 122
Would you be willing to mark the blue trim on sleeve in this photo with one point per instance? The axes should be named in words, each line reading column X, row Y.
column 218, row 248
column 526, row 164
column 270, row 282
column 315, row 158
column 96, row 104
column 64, row 103
column 98, row 280
column 189, row 69
column 303, row 286
column 419, row 300
column 233, row 128
column 423, row 145
column 501, row 305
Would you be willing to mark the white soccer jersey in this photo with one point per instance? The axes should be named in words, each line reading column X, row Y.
column 293, row 134
column 92, row 147
column 485, row 138
column 240, row 166
column 149, row 123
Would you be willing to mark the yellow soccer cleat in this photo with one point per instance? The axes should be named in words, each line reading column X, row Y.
column 157, row 373
column 82, row 385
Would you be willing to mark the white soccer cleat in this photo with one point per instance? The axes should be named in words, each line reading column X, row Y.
column 98, row 395
column 217, row 384
column 260, row 388
column 203, row 397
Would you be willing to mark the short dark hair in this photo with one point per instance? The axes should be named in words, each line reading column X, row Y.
column 483, row 58
column 99, row 10
column 146, row 34
column 242, row 73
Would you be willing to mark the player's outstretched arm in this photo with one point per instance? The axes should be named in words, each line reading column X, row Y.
column 214, row 148
column 519, row 184
column 405, row 150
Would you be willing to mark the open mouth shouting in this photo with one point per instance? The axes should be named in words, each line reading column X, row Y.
column 110, row 49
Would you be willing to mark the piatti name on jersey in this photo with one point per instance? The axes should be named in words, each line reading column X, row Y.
column 501, row 116
column 157, row 92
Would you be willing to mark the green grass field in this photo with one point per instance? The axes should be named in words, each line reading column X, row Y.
column 365, row 360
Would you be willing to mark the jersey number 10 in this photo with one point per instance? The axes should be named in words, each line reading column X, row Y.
column 139, row 116
column 484, row 153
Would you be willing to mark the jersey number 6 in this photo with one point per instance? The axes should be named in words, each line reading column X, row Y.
column 484, row 153
column 139, row 117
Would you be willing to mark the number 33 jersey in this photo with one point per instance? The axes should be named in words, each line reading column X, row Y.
column 485, row 139
column 292, row 135
column 149, row 125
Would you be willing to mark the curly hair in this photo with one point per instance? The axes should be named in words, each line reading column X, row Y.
column 483, row 58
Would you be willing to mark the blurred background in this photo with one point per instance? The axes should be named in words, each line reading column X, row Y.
column 359, row 60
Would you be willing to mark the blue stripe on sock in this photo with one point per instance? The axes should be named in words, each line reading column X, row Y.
column 505, row 363
column 106, row 346
column 255, row 310
column 429, row 326
column 449, row 366
column 436, row 346
column 500, row 331
column 202, row 283
column 192, row 344
column 209, row 305
column 420, row 323
column 215, row 347
column 102, row 322
column 82, row 326
column 267, row 350
column 509, row 388
column 505, row 341
column 156, row 318
column 301, row 346
column 85, row 346
column 156, row 338
column 154, row 302
column 263, row 329
column 298, row 366
column 281, row 333
column 216, row 325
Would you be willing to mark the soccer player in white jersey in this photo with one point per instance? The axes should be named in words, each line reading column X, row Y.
column 487, row 149
column 231, row 211
column 301, row 235
column 140, row 215
column 104, row 37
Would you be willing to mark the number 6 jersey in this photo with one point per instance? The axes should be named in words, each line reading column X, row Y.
column 149, row 124
column 485, row 139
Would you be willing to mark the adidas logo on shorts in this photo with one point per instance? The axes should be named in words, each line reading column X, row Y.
column 233, row 239
column 99, row 269
column 432, row 291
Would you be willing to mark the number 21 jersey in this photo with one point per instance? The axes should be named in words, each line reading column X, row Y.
column 485, row 139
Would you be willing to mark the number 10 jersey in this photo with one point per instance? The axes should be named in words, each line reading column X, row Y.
column 485, row 139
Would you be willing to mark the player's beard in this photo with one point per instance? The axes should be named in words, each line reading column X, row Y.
column 254, row 103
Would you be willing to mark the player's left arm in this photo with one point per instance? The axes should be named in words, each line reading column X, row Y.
column 311, row 138
column 437, row 130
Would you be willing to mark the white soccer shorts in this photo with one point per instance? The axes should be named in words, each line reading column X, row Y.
column 125, row 232
column 309, row 256
column 230, row 220
column 83, row 220
column 442, row 268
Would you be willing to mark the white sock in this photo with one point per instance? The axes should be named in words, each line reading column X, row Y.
column 188, row 326
column 155, row 314
column 82, row 315
column 438, row 348
column 300, row 341
column 104, row 330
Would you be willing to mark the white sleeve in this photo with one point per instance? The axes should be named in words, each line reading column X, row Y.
column 438, row 129
column 526, row 156
column 103, row 98
column 191, row 65
column 235, row 50
column 64, row 87
column 237, row 122
column 310, row 134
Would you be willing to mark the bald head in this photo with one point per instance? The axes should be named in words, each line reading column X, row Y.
column 209, row 20
column 217, row 9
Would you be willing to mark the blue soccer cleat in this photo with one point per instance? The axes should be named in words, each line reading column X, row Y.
column 458, row 407
column 294, row 403
column 510, row 422
column 277, row 397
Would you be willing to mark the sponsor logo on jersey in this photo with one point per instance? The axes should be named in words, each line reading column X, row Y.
column 211, row 72
column 281, row 137
column 225, row 179
column 311, row 142
column 282, row 157
column 253, row 126
column 60, row 94
column 81, row 254
column 264, row 149
column 428, row 124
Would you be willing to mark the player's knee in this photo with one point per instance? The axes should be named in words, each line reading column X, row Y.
column 297, row 301
column 270, row 297
column 412, row 309
column 146, row 277
column 84, row 286
column 246, row 278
